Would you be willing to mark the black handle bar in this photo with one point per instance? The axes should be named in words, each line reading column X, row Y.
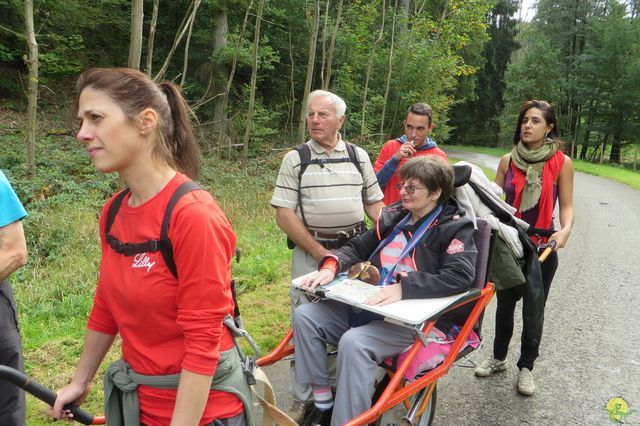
column 36, row 389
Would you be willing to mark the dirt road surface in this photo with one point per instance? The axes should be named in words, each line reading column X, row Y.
column 590, row 351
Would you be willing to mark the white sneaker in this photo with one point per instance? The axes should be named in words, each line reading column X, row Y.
column 490, row 366
column 525, row 382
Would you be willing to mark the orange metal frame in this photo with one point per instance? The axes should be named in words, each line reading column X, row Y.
column 397, row 390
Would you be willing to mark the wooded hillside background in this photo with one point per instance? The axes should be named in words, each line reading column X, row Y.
column 246, row 65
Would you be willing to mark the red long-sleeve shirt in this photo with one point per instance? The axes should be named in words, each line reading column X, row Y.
column 167, row 324
column 389, row 149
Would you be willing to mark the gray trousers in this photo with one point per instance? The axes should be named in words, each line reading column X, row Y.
column 238, row 420
column 301, row 264
column 360, row 350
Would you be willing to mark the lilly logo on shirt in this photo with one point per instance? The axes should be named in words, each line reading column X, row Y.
column 142, row 260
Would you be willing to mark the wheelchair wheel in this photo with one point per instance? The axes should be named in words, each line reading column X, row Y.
column 395, row 416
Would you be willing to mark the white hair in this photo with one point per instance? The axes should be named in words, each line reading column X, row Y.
column 335, row 100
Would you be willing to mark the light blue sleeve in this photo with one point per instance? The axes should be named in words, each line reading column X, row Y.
column 11, row 209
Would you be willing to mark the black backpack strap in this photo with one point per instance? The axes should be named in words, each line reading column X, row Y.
column 305, row 159
column 353, row 156
column 304, row 151
column 128, row 249
column 114, row 208
column 164, row 244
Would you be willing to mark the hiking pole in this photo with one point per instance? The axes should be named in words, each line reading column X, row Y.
column 547, row 251
column 36, row 389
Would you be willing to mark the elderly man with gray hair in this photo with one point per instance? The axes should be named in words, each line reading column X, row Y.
column 323, row 190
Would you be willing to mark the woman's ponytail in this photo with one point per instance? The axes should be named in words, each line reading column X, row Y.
column 178, row 137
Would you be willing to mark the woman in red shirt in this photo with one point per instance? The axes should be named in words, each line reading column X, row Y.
column 169, row 324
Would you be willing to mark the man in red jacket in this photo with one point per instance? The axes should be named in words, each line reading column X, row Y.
column 414, row 142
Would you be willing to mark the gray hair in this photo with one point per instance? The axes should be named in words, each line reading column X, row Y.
column 335, row 100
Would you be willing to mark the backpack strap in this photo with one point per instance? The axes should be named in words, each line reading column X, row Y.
column 305, row 159
column 167, row 248
column 163, row 244
column 353, row 156
column 113, row 209
column 304, row 151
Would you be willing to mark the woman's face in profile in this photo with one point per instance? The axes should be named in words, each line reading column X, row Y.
column 112, row 141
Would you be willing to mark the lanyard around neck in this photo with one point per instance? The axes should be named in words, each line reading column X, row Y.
column 422, row 230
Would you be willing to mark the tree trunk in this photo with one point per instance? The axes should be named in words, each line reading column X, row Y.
column 370, row 69
column 234, row 61
column 184, row 26
column 324, row 44
column 291, row 99
column 135, row 42
column 405, row 13
column 604, row 146
column 254, row 74
column 32, row 91
column 152, row 35
column 389, row 70
column 332, row 45
column 185, row 65
column 312, row 58
column 220, row 70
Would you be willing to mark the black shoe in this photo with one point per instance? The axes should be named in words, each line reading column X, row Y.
column 299, row 411
column 317, row 417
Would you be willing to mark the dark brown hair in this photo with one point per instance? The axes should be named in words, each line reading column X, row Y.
column 420, row 108
column 134, row 91
column 547, row 112
column 432, row 171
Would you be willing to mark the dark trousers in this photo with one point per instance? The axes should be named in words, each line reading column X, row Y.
column 12, row 398
column 507, row 299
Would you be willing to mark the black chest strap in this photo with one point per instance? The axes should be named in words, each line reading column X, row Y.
column 304, row 151
column 162, row 244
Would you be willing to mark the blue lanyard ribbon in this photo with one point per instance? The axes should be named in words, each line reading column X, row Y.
column 415, row 239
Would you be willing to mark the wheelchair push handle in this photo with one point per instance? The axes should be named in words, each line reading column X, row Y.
column 548, row 249
column 36, row 389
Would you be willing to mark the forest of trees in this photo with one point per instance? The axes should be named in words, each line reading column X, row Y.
column 247, row 65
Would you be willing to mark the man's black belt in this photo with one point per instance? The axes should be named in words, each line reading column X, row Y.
column 336, row 240
column 332, row 244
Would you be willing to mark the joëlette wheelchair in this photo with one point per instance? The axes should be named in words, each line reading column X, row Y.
column 418, row 397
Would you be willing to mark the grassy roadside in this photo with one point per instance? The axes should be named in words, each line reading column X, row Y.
column 618, row 174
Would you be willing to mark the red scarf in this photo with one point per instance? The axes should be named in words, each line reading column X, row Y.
column 550, row 172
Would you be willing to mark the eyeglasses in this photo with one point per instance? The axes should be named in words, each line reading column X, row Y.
column 409, row 189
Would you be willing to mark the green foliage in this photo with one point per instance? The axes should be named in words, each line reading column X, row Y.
column 6, row 55
column 476, row 116
column 62, row 56
column 583, row 58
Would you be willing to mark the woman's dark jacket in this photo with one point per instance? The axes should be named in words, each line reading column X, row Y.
column 444, row 266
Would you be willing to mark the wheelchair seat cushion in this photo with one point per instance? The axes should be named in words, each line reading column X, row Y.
column 430, row 356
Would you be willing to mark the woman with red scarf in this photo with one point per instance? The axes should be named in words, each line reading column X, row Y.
column 535, row 176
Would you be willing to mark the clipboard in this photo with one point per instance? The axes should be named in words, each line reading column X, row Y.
column 412, row 313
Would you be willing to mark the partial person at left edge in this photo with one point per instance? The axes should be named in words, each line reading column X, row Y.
column 179, row 365
column 13, row 255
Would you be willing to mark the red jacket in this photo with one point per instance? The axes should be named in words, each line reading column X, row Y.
column 389, row 149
